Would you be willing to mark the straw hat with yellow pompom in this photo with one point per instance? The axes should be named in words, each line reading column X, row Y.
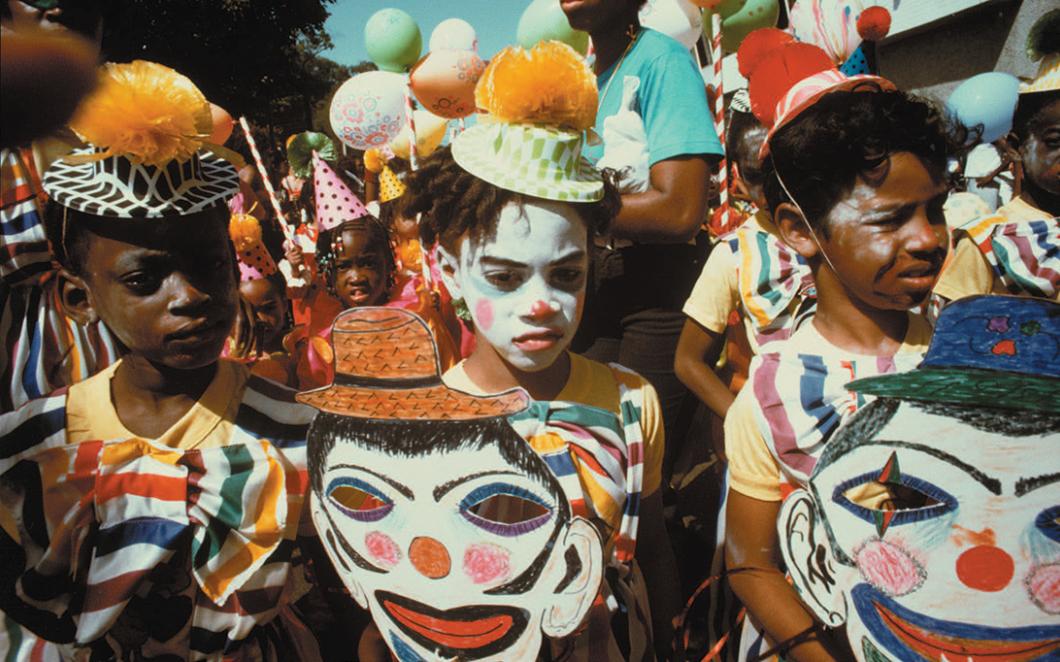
column 540, row 103
column 147, row 128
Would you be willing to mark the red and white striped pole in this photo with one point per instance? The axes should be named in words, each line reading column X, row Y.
column 719, row 119
column 410, row 122
column 280, row 218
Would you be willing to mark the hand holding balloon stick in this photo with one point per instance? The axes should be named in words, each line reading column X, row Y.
column 273, row 199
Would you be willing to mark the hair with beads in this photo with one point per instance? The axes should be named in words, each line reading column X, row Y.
column 328, row 239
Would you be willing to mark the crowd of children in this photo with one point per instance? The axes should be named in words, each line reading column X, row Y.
column 168, row 343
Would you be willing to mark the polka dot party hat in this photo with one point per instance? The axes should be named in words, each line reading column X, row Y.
column 254, row 260
column 335, row 202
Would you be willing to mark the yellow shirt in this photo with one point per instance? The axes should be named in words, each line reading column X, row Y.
column 753, row 469
column 968, row 272
column 90, row 412
column 716, row 293
column 593, row 384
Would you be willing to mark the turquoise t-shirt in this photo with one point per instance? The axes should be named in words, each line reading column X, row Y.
column 672, row 99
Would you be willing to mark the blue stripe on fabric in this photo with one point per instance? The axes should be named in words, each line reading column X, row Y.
column 18, row 224
column 811, row 391
column 560, row 464
column 32, row 431
column 159, row 532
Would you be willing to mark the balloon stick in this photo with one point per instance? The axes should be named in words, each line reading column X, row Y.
column 287, row 232
column 719, row 121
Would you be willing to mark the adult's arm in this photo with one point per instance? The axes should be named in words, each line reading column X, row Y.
column 672, row 210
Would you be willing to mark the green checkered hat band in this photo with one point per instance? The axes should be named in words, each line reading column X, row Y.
column 540, row 161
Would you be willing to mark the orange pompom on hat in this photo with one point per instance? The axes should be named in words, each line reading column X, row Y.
column 786, row 77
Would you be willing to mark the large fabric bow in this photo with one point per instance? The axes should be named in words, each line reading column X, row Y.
column 802, row 399
column 135, row 503
column 1026, row 256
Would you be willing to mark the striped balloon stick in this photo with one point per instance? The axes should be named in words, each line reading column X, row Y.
column 287, row 232
column 719, row 119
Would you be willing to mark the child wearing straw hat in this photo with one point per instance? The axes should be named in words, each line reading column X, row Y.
column 1017, row 250
column 152, row 510
column 513, row 206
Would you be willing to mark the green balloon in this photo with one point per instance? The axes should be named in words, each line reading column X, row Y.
column 753, row 14
column 393, row 40
column 544, row 19
column 729, row 7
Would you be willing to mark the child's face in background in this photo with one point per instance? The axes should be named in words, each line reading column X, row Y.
column 886, row 239
column 270, row 307
column 361, row 273
column 1040, row 151
column 525, row 285
column 406, row 227
column 167, row 288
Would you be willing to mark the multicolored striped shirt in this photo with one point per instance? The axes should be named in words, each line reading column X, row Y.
column 794, row 401
column 135, row 549
column 1016, row 251
column 753, row 272
column 43, row 349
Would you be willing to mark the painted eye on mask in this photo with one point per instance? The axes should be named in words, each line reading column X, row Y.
column 505, row 510
column 1048, row 522
column 904, row 499
column 359, row 500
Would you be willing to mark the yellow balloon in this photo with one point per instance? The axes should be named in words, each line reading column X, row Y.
column 430, row 131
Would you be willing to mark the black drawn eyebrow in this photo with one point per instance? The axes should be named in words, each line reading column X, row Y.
column 1025, row 485
column 992, row 484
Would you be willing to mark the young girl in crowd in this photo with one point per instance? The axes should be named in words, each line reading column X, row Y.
column 858, row 190
column 513, row 207
column 152, row 510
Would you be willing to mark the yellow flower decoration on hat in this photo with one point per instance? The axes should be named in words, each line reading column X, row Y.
column 146, row 112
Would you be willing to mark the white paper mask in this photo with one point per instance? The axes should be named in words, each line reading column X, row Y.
column 525, row 284
column 439, row 518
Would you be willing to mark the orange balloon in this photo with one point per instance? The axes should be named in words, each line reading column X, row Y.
column 222, row 124
column 444, row 82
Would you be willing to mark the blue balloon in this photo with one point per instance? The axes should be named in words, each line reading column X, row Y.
column 987, row 100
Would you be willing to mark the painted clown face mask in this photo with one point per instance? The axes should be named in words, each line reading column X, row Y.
column 454, row 535
column 525, row 284
column 933, row 538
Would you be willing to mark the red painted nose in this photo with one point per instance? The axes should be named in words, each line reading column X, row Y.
column 429, row 557
column 540, row 309
column 985, row 568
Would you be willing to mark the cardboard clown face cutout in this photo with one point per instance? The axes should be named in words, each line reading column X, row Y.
column 931, row 526
column 440, row 519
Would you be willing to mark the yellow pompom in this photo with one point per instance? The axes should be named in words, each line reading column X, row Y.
column 549, row 84
column 373, row 160
column 245, row 231
column 145, row 112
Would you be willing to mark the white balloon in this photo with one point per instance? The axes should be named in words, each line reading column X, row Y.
column 368, row 110
column 454, row 34
column 679, row 19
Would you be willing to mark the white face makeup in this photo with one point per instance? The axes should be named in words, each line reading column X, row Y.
column 525, row 286
column 465, row 560
column 942, row 539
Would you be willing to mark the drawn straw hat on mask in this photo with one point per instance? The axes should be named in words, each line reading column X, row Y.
column 147, row 128
column 387, row 367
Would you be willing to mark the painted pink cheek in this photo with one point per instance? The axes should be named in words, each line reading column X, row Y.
column 382, row 548
column 1044, row 586
column 889, row 568
column 484, row 314
column 486, row 563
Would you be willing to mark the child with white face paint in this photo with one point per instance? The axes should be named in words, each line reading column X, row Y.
column 512, row 207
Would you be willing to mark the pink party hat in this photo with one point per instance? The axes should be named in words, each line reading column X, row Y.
column 335, row 202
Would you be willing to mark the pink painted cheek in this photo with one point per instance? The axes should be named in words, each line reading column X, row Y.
column 382, row 549
column 486, row 563
column 484, row 314
column 1044, row 586
column 889, row 568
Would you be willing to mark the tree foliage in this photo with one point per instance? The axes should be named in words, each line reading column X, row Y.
column 255, row 58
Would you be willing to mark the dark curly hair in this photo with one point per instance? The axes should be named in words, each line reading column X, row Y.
column 823, row 151
column 454, row 202
column 379, row 237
